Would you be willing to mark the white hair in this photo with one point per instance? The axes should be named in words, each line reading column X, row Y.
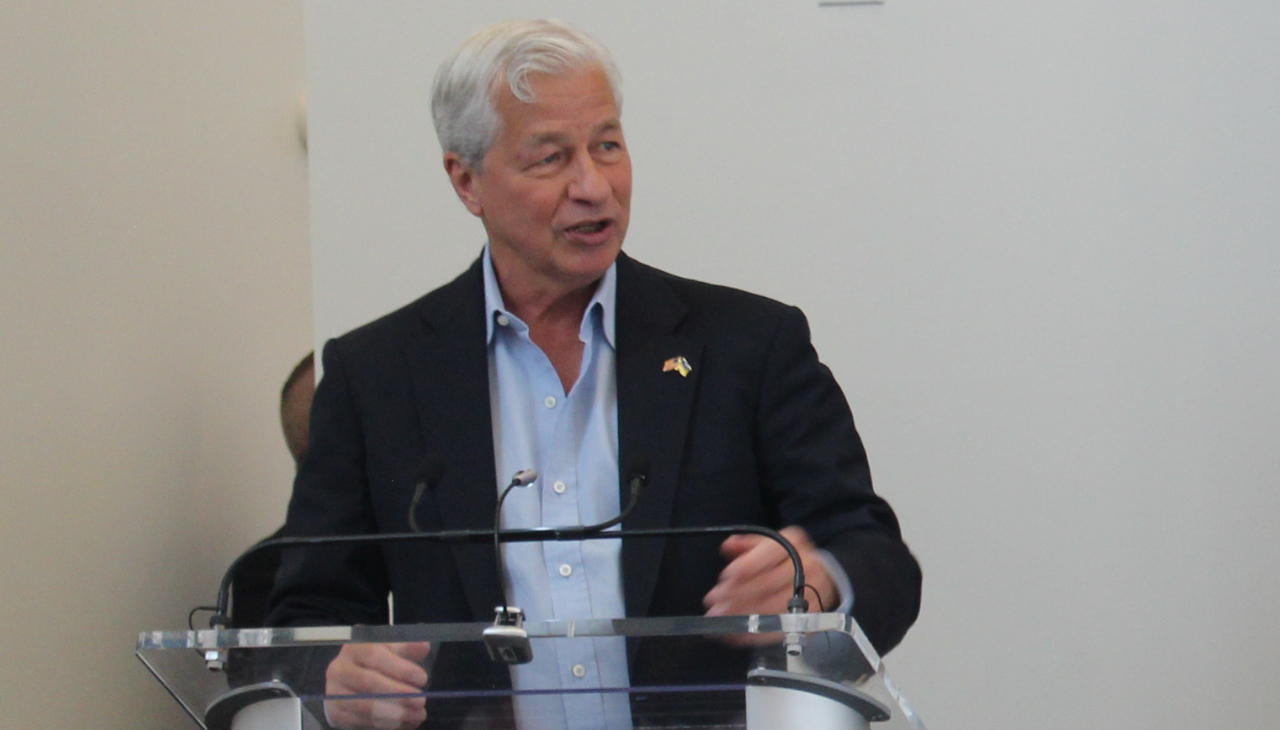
column 462, row 99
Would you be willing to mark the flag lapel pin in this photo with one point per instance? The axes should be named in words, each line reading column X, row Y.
column 678, row 364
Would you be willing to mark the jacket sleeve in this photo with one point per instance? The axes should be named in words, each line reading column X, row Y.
column 814, row 473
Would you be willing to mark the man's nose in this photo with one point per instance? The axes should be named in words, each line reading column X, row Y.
column 588, row 182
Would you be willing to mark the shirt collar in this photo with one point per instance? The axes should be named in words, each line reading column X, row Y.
column 604, row 299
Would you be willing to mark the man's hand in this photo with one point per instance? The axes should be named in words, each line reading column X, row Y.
column 758, row 578
column 377, row 669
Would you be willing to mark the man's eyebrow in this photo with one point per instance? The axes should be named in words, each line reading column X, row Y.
column 547, row 138
column 542, row 138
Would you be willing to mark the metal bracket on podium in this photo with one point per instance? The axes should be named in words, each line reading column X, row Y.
column 507, row 640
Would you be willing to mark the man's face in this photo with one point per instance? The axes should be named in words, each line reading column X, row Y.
column 554, row 191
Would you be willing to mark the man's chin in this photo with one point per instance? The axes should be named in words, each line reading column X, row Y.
column 589, row 263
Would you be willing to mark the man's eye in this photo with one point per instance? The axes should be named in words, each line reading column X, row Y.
column 610, row 146
column 549, row 159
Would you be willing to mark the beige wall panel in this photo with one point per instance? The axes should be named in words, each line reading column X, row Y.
column 154, row 292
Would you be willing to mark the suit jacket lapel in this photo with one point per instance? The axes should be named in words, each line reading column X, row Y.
column 653, row 414
column 450, row 371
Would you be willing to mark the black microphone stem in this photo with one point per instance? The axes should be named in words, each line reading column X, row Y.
column 497, row 524
column 797, row 604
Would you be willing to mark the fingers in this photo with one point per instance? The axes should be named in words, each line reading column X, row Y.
column 377, row 669
column 750, row 555
column 736, row 545
column 399, row 714
column 414, row 651
column 764, row 591
column 797, row 537
column 759, row 577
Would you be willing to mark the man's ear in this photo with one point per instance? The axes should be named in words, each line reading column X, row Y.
column 464, row 182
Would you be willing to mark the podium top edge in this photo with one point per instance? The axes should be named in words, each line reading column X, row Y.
column 214, row 639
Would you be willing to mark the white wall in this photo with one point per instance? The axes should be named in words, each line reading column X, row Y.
column 1038, row 243
column 154, row 294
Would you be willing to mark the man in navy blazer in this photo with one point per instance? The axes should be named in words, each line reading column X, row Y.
column 718, row 392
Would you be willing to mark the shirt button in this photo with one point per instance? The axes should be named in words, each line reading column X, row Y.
column 579, row 671
column 559, row 487
column 550, row 401
column 566, row 570
column 503, row 321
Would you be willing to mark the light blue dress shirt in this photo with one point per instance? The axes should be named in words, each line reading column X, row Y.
column 571, row 439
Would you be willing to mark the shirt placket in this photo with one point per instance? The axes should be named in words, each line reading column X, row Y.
column 562, row 505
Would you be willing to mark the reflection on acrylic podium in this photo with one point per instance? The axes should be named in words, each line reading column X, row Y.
column 773, row 672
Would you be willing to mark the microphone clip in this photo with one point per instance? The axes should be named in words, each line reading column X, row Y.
column 507, row 640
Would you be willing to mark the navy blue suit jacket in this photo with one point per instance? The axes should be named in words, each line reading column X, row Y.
column 759, row 432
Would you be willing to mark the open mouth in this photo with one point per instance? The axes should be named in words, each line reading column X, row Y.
column 589, row 227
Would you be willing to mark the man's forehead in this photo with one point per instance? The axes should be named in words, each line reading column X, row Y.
column 552, row 133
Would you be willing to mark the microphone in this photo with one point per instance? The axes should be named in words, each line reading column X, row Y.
column 639, row 475
column 521, row 479
column 429, row 473
column 507, row 640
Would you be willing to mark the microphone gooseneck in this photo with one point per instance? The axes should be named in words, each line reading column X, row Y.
column 522, row 478
column 636, row 482
column 507, row 641
column 429, row 474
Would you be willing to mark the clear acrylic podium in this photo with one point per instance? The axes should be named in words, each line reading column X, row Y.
column 769, row 672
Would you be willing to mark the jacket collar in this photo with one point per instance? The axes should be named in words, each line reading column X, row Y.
column 450, row 374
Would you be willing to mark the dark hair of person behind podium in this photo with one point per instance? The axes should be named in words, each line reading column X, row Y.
column 295, row 406
column 256, row 575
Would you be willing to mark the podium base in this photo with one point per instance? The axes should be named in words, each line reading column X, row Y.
column 281, row 713
column 778, row 700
